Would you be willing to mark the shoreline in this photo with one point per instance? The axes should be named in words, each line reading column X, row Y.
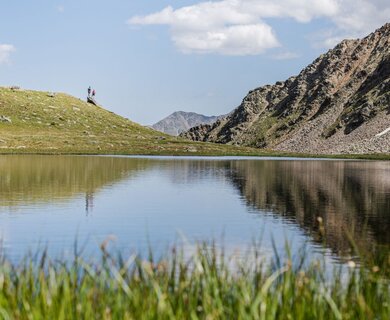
column 249, row 155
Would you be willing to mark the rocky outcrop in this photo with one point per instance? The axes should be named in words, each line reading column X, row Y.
column 92, row 101
column 181, row 121
column 338, row 104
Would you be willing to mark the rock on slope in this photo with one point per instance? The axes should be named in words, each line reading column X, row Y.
column 181, row 121
column 338, row 104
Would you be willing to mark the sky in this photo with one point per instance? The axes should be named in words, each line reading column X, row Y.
column 147, row 59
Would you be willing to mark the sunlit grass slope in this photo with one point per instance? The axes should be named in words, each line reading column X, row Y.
column 40, row 122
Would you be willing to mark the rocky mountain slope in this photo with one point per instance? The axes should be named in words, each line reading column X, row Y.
column 340, row 103
column 181, row 121
column 43, row 122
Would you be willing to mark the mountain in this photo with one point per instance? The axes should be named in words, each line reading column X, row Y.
column 44, row 122
column 181, row 121
column 339, row 104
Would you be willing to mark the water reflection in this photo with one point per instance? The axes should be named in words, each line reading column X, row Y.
column 351, row 197
column 196, row 196
column 27, row 180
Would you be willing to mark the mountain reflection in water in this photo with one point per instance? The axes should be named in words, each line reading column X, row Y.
column 351, row 197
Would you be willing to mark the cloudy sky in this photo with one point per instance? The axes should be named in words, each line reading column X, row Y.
column 147, row 59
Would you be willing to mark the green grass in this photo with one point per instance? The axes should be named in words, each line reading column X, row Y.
column 61, row 124
column 207, row 285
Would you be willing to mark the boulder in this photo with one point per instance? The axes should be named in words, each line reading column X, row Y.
column 92, row 101
column 5, row 119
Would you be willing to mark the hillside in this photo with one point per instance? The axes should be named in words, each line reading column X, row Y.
column 181, row 121
column 43, row 122
column 338, row 104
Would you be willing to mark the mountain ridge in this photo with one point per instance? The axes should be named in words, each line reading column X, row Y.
column 339, row 103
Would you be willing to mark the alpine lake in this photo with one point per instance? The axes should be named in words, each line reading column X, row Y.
column 136, row 204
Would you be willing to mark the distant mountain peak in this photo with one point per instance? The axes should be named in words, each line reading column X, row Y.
column 180, row 121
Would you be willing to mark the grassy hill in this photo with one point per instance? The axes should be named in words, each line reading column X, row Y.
column 41, row 122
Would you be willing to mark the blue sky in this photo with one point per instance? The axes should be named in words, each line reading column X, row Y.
column 147, row 59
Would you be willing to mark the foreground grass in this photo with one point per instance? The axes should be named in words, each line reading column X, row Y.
column 205, row 286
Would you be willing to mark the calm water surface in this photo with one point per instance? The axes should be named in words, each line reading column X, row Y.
column 148, row 201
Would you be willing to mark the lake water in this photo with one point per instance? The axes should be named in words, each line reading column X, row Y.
column 49, row 201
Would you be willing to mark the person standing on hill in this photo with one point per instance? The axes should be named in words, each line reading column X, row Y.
column 89, row 91
column 93, row 93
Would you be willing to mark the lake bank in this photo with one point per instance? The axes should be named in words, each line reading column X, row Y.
column 203, row 151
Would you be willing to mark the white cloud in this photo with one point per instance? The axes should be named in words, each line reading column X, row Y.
column 355, row 19
column 231, row 27
column 238, row 27
column 5, row 52
column 362, row 16
column 60, row 8
column 248, row 39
